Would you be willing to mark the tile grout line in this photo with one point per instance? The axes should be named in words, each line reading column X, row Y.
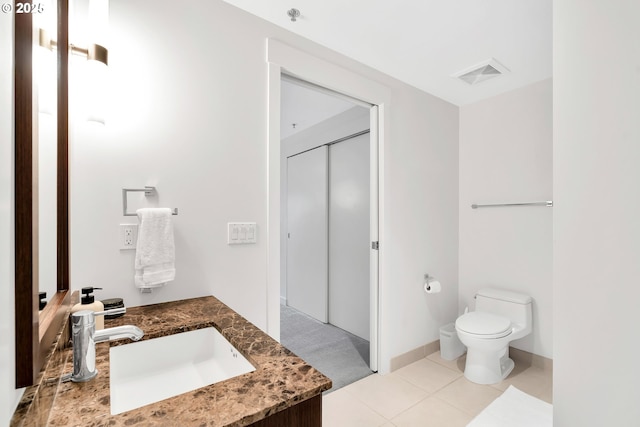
column 412, row 406
column 461, row 408
column 378, row 413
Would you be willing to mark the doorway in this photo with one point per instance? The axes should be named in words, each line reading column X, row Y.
column 326, row 222
column 283, row 59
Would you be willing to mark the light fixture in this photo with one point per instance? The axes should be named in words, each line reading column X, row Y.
column 93, row 52
column 89, row 41
column 92, row 77
column 95, row 33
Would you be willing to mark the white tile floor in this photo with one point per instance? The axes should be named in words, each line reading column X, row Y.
column 428, row 393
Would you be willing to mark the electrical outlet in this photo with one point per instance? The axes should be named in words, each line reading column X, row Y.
column 128, row 236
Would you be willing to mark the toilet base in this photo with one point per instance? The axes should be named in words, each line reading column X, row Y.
column 487, row 367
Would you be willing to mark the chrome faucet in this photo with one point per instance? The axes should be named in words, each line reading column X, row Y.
column 84, row 337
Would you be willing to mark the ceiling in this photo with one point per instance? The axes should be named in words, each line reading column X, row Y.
column 425, row 42
column 303, row 107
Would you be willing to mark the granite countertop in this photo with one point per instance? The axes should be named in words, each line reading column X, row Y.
column 281, row 379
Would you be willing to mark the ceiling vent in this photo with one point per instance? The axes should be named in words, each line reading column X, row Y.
column 481, row 72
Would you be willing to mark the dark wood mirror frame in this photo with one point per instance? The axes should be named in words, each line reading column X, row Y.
column 36, row 332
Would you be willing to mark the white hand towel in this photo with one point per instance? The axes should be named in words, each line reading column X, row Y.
column 155, row 252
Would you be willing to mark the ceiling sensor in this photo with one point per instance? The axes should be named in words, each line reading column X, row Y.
column 481, row 72
column 293, row 14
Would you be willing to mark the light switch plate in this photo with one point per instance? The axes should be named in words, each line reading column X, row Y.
column 242, row 233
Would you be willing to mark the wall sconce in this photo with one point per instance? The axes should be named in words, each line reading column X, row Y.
column 91, row 40
column 94, row 52
column 89, row 78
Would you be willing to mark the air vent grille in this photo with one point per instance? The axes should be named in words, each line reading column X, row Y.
column 481, row 72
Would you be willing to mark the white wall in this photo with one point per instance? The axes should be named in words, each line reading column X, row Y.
column 596, row 101
column 9, row 396
column 190, row 117
column 420, row 220
column 506, row 157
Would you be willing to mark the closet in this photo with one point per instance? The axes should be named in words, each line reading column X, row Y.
column 328, row 243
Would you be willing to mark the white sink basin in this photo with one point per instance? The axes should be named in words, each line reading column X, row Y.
column 149, row 371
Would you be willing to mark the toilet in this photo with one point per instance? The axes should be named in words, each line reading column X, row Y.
column 501, row 316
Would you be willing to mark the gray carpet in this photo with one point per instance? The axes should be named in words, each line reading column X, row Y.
column 341, row 356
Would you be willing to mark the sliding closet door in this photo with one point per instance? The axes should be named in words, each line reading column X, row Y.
column 307, row 230
column 349, row 243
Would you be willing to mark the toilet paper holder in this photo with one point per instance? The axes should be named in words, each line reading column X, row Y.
column 431, row 284
column 427, row 281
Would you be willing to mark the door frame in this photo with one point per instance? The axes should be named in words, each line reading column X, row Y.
column 283, row 59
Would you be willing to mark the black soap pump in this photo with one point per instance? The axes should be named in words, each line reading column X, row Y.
column 42, row 303
column 88, row 302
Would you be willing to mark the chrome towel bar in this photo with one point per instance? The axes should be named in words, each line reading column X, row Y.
column 148, row 191
column 548, row 203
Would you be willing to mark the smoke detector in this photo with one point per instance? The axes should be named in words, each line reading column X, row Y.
column 481, row 72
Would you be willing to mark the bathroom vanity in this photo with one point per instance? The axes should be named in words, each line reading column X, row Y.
column 282, row 390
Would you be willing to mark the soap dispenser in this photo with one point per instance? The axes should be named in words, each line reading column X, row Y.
column 88, row 302
column 42, row 303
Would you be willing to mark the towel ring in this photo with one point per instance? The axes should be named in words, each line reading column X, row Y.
column 148, row 191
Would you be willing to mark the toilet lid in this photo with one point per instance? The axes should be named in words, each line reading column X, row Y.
column 485, row 324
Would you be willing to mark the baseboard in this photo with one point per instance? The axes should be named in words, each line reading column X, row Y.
column 414, row 355
column 283, row 300
column 519, row 356
column 530, row 359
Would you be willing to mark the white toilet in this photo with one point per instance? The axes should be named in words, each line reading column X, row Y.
column 500, row 317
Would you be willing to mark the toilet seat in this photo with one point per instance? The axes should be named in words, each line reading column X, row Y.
column 484, row 325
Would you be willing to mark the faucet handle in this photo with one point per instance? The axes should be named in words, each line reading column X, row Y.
column 121, row 310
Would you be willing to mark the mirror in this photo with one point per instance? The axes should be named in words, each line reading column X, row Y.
column 36, row 331
column 45, row 139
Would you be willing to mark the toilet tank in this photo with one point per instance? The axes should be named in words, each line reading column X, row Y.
column 512, row 305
